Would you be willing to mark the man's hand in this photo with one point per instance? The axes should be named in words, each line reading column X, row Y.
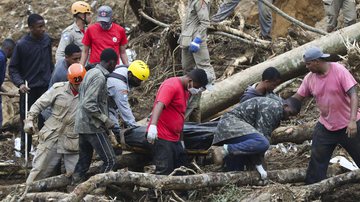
column 109, row 124
column 29, row 127
column 351, row 129
column 23, row 88
column 152, row 134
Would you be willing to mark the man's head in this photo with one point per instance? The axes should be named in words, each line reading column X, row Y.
column 36, row 25
column 292, row 107
column 72, row 54
column 76, row 74
column 138, row 71
column 105, row 17
column 315, row 59
column 8, row 46
column 271, row 78
column 108, row 59
column 197, row 81
column 82, row 11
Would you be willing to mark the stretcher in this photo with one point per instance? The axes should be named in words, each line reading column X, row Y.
column 197, row 138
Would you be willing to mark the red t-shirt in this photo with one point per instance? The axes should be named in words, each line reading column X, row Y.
column 171, row 120
column 98, row 40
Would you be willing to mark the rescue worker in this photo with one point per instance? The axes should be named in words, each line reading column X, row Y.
column 104, row 34
column 119, row 84
column 75, row 32
column 245, row 131
column 194, row 50
column 92, row 120
column 57, row 139
column 167, row 119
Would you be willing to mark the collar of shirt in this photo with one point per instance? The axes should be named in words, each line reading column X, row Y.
column 102, row 69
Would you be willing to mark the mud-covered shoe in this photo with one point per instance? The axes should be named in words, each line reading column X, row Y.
column 218, row 154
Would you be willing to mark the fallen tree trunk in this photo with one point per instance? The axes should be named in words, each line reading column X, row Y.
column 53, row 196
column 189, row 182
column 305, row 193
column 295, row 134
column 290, row 64
column 56, row 182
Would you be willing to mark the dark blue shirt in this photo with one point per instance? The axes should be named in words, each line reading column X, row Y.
column 3, row 60
column 32, row 61
column 60, row 72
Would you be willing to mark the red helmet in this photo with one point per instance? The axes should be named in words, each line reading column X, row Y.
column 76, row 73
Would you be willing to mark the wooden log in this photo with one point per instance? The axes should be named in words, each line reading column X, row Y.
column 290, row 64
column 189, row 182
column 306, row 193
column 55, row 196
column 295, row 134
column 56, row 182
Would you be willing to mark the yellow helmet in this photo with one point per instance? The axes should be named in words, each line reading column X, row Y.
column 139, row 69
column 80, row 7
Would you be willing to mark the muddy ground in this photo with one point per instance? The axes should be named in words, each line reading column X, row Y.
column 153, row 47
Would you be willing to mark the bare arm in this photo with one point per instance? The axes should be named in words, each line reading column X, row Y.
column 351, row 130
column 298, row 97
column 157, row 112
column 123, row 55
column 84, row 55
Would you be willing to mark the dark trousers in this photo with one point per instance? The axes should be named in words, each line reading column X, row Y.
column 101, row 143
column 323, row 145
column 245, row 150
column 34, row 94
column 168, row 156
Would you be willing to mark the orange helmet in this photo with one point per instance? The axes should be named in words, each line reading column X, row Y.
column 76, row 73
column 80, row 7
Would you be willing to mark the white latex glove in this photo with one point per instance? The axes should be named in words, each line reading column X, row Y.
column 262, row 171
column 152, row 134
column 182, row 144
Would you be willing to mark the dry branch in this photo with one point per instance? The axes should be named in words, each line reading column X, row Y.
column 308, row 192
column 189, row 182
column 55, row 196
column 236, row 32
column 161, row 24
column 291, row 19
column 255, row 43
column 296, row 134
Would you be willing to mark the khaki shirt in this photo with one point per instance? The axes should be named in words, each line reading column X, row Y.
column 93, row 111
column 59, row 128
column 71, row 34
column 196, row 22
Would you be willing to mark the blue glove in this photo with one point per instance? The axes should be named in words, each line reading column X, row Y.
column 195, row 45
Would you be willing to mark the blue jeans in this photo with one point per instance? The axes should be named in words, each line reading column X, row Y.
column 323, row 145
column 244, row 150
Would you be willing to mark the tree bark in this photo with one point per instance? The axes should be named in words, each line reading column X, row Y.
column 290, row 64
column 133, row 160
column 295, row 134
column 189, row 182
